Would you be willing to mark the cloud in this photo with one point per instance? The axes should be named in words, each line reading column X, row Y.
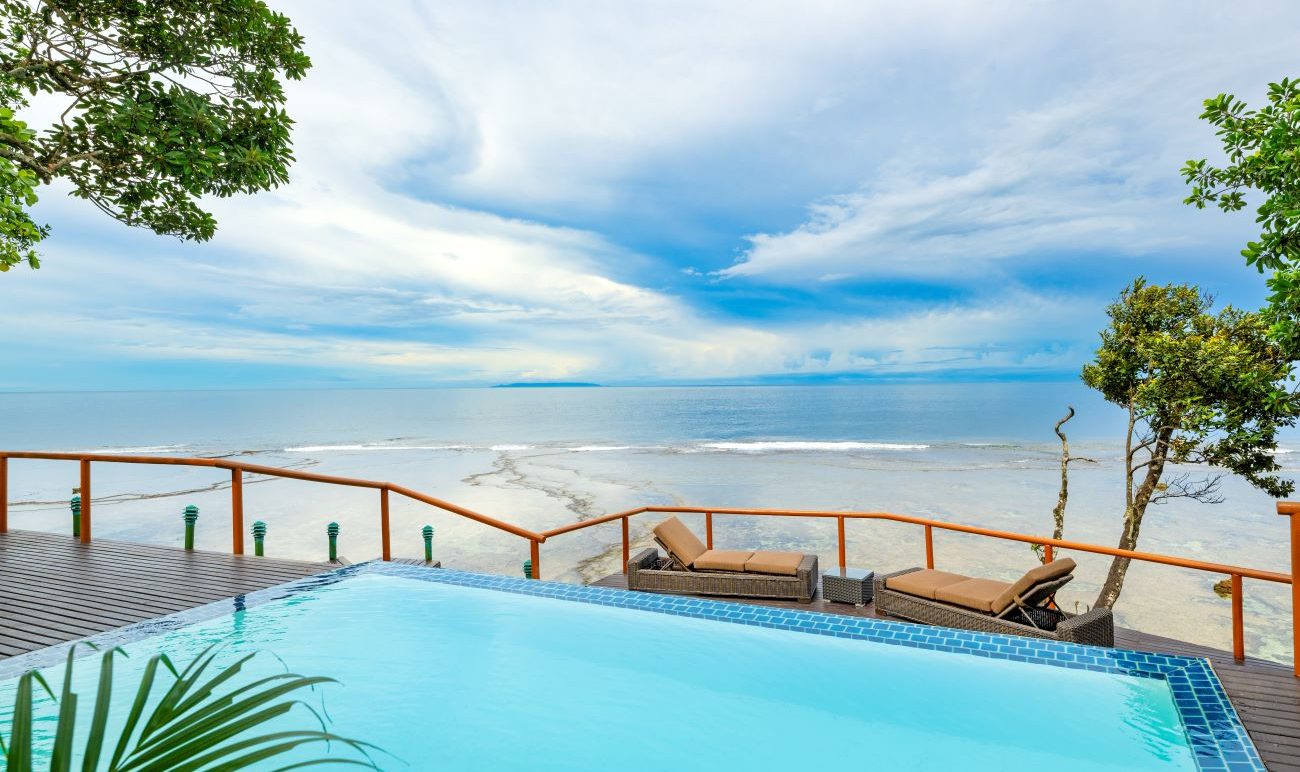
column 1093, row 172
column 489, row 192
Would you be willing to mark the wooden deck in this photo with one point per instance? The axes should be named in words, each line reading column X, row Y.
column 1266, row 694
column 54, row 589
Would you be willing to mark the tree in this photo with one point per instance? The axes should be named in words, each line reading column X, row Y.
column 1063, row 493
column 1263, row 153
column 1199, row 388
column 162, row 103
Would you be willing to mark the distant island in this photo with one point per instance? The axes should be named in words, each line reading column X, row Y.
column 544, row 385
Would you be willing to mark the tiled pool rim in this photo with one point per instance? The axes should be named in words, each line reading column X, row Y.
column 1217, row 737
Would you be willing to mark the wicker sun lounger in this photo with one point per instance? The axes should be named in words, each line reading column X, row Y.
column 688, row 568
column 1024, row 607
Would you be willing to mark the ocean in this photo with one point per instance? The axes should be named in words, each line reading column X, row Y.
column 976, row 453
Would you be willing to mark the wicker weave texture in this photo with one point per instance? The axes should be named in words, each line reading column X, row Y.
column 846, row 589
column 648, row 572
column 1095, row 627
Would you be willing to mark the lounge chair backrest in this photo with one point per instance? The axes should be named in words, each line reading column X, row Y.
column 678, row 540
column 1038, row 575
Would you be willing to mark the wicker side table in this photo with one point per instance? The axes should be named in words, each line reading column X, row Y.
column 848, row 585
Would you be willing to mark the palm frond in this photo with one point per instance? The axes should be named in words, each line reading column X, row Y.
column 209, row 717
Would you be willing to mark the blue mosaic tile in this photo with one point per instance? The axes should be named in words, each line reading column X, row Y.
column 1217, row 737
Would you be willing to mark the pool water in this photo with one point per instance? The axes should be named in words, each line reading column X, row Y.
column 452, row 677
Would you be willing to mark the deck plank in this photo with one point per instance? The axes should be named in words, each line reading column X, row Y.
column 53, row 589
column 1266, row 694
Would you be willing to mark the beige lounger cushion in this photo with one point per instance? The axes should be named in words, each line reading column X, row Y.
column 978, row 594
column 679, row 540
column 765, row 562
column 722, row 560
column 1036, row 575
column 923, row 583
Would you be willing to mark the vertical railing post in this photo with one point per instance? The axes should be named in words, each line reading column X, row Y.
column 1048, row 554
column 708, row 532
column 383, row 524
column 1292, row 509
column 839, row 527
column 929, row 547
column 1238, row 627
column 535, row 557
column 85, row 501
column 4, row 494
column 237, row 511
column 627, row 546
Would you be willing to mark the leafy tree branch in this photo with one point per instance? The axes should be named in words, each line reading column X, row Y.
column 1199, row 388
column 166, row 102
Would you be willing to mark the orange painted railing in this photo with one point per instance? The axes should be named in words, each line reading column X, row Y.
column 237, row 470
column 1235, row 573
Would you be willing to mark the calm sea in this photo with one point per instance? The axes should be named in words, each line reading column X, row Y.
column 980, row 453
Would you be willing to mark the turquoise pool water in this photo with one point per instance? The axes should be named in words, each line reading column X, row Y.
column 452, row 677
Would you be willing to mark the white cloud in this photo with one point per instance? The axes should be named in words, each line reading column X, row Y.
column 467, row 171
column 1093, row 170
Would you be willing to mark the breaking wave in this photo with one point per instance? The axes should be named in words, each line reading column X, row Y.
column 137, row 449
column 371, row 446
column 798, row 445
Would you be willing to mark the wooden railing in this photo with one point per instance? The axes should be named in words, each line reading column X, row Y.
column 237, row 469
column 1049, row 545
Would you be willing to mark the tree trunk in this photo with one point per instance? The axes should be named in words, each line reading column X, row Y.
column 1062, row 496
column 1133, row 513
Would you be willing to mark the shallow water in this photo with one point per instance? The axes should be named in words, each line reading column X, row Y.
column 974, row 453
column 446, row 677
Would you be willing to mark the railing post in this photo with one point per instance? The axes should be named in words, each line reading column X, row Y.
column 85, row 501
column 929, row 547
column 1292, row 509
column 383, row 524
column 259, row 537
column 627, row 547
column 1238, row 631
column 332, row 531
column 1048, row 554
column 839, row 527
column 4, row 494
column 427, row 533
column 708, row 534
column 237, row 511
column 535, row 557
column 190, row 515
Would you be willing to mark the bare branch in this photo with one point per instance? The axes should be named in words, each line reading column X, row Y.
column 1184, row 486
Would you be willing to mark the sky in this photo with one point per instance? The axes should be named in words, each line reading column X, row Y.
column 678, row 192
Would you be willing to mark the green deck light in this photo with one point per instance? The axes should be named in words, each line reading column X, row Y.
column 190, row 516
column 332, row 530
column 259, row 535
column 528, row 569
column 76, row 515
column 427, row 532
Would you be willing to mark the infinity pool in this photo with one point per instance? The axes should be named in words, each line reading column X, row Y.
column 446, row 675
